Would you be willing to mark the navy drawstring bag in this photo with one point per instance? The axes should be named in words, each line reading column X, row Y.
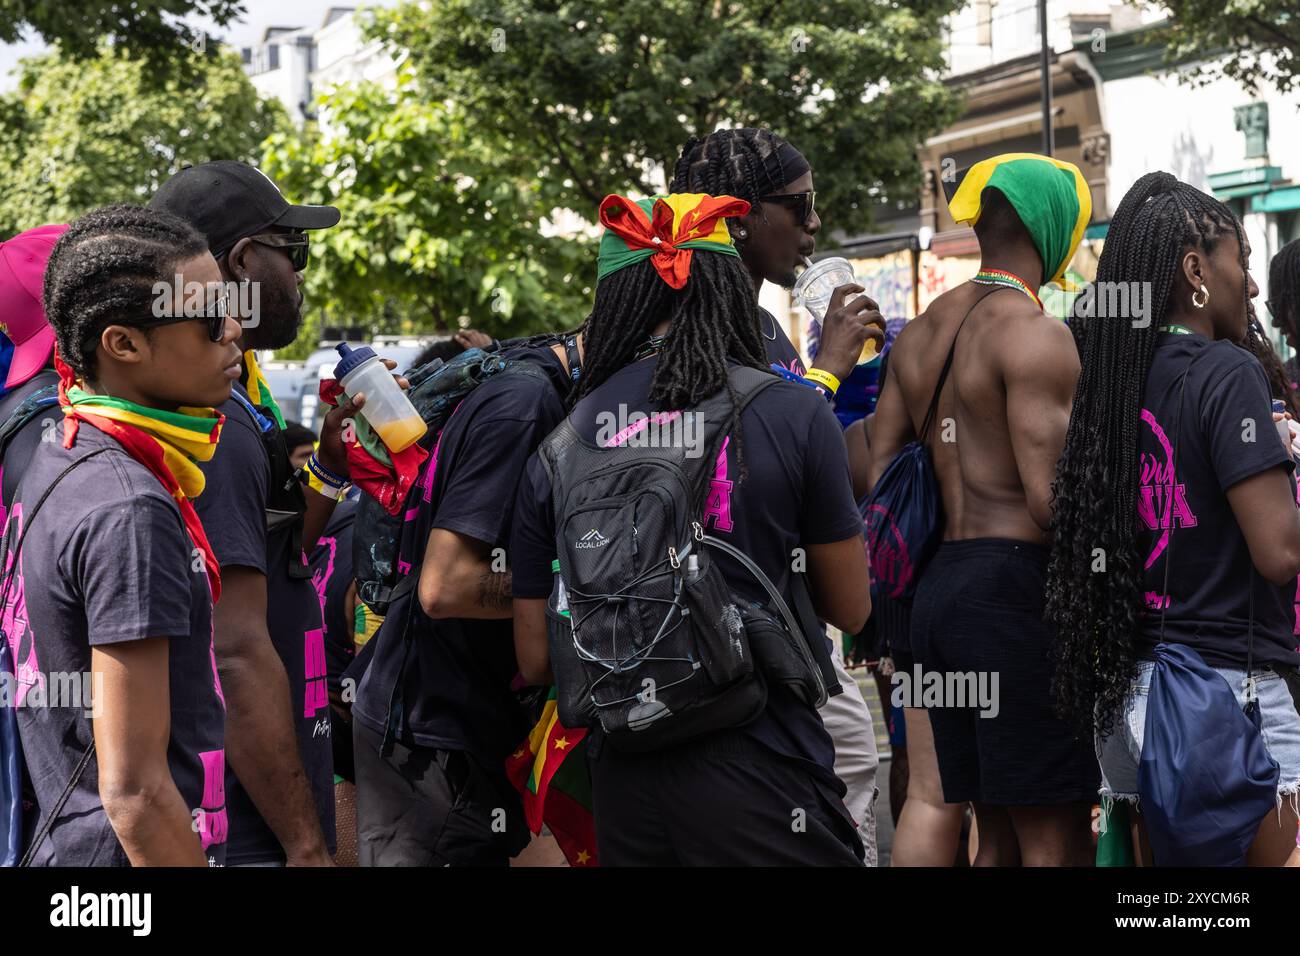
column 1205, row 779
column 903, row 517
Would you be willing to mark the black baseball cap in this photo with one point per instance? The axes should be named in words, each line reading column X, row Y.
column 228, row 201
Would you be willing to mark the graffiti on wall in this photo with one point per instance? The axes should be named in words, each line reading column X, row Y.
column 938, row 274
column 888, row 279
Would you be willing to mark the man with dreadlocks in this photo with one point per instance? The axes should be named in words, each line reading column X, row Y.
column 1284, row 301
column 779, row 231
column 1002, row 418
column 667, row 322
column 109, row 569
column 1202, row 550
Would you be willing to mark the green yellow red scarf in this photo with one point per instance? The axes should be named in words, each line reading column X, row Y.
column 167, row 443
column 666, row 230
column 259, row 392
column 1050, row 196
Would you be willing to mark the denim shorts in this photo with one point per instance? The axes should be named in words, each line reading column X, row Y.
column 1120, row 752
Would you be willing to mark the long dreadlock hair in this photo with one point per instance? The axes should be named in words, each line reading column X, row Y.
column 1096, row 484
column 102, row 272
column 1284, row 289
column 1279, row 383
column 714, row 317
column 730, row 162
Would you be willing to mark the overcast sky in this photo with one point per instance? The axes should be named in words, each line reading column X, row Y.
column 259, row 15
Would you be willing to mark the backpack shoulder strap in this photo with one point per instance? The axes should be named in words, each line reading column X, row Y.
column 947, row 367
column 31, row 406
column 9, row 571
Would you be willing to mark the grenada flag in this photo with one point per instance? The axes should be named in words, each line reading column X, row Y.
column 550, row 770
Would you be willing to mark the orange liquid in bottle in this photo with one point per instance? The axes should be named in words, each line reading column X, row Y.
column 401, row 434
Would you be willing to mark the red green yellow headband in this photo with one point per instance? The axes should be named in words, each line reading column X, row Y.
column 665, row 230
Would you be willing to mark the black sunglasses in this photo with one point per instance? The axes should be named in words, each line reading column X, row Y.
column 802, row 204
column 216, row 316
column 297, row 244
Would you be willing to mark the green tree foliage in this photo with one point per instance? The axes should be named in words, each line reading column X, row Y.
column 76, row 135
column 602, row 95
column 1255, row 42
column 151, row 30
column 442, row 223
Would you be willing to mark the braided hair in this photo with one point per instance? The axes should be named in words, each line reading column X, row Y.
column 731, row 162
column 102, row 272
column 1096, row 482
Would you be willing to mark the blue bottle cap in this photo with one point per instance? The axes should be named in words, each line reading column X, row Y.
column 351, row 359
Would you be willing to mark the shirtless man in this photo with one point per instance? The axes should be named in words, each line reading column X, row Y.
column 999, row 429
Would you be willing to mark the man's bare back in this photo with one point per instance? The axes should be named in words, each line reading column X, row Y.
column 1002, row 416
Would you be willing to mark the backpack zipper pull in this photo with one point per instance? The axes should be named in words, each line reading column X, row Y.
column 672, row 558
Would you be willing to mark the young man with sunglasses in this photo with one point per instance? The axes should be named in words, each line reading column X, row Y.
column 110, row 578
column 772, row 239
column 269, row 636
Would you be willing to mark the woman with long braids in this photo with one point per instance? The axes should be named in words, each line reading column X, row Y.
column 667, row 324
column 1220, row 523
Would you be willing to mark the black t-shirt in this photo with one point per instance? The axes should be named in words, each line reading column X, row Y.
column 780, row 350
column 457, row 693
column 1226, row 435
column 233, row 510
column 797, row 493
column 331, row 573
column 23, row 444
column 107, row 560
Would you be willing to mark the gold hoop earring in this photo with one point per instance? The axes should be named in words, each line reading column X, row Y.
column 1205, row 293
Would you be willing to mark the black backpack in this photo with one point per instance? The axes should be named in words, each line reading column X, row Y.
column 437, row 389
column 646, row 641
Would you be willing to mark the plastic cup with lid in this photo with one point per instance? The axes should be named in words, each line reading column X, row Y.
column 815, row 286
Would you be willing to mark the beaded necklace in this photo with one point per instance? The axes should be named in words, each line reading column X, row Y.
column 1007, row 280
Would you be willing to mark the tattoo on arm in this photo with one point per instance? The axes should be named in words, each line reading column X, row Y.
column 494, row 590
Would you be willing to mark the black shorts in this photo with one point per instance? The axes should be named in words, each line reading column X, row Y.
column 977, row 620
column 894, row 621
column 723, row 801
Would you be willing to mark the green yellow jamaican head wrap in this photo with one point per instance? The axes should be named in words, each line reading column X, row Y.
column 1050, row 197
column 666, row 230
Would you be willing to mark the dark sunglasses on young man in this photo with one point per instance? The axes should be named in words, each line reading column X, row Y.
column 215, row 316
column 801, row 204
column 297, row 244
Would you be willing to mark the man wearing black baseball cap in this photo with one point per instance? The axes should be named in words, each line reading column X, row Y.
column 268, row 630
